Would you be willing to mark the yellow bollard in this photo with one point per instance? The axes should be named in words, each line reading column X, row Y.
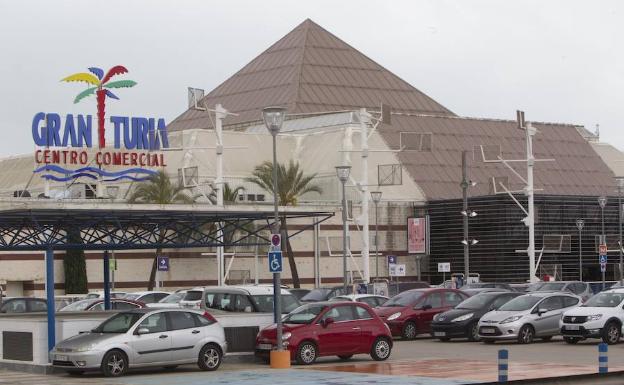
column 280, row 359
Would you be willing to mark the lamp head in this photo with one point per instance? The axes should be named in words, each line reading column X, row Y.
column 602, row 201
column 376, row 196
column 343, row 173
column 274, row 118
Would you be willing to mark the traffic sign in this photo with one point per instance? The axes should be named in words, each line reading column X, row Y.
column 603, row 267
column 275, row 261
column 602, row 249
column 444, row 267
column 603, row 259
column 391, row 259
column 163, row 263
column 276, row 241
column 397, row 270
column 112, row 264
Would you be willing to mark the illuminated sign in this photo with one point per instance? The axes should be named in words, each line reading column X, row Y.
column 66, row 141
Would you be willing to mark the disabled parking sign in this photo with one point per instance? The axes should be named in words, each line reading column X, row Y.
column 275, row 262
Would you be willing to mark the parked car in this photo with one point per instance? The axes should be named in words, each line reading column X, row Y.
column 23, row 305
column 579, row 288
column 519, row 287
column 321, row 294
column 528, row 316
column 100, row 294
column 192, row 299
column 601, row 317
column 172, row 301
column 486, row 285
column 60, row 301
column 147, row 296
column 479, row 290
column 144, row 337
column 244, row 299
column 299, row 293
column 410, row 312
column 95, row 304
column 463, row 320
column 326, row 329
column 369, row 299
column 535, row 286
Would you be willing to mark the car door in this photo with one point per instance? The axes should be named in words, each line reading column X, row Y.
column 430, row 306
column 154, row 346
column 368, row 325
column 341, row 336
column 551, row 309
column 184, row 335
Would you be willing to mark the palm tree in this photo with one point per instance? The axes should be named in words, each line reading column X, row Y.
column 230, row 195
column 291, row 184
column 159, row 189
column 100, row 81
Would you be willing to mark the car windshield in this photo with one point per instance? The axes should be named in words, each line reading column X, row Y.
column 521, row 303
column 316, row 295
column 304, row 314
column 132, row 296
column 264, row 303
column 92, row 295
column 477, row 285
column 173, row 298
column 338, row 299
column 604, row 300
column 119, row 323
column 479, row 301
column 552, row 287
column 535, row 286
column 193, row 295
column 79, row 305
column 403, row 299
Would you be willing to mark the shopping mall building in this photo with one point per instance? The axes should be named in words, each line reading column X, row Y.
column 412, row 153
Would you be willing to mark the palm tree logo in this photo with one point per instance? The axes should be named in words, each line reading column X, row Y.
column 101, row 84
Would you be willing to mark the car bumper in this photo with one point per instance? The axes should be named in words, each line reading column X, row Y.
column 263, row 349
column 450, row 329
column 584, row 330
column 499, row 331
column 76, row 360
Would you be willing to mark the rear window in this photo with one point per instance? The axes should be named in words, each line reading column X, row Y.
column 264, row 303
column 193, row 295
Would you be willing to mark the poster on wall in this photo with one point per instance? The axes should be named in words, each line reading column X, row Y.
column 417, row 235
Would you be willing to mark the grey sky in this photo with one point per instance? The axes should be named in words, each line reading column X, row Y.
column 560, row 61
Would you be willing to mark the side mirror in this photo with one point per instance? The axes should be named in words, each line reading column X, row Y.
column 327, row 321
column 142, row 331
column 426, row 307
column 541, row 311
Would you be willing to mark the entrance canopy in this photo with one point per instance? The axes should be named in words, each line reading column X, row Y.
column 47, row 225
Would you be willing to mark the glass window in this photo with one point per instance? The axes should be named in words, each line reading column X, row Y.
column 605, row 300
column 193, row 295
column 264, row 303
column 222, row 301
column 147, row 298
column 155, row 323
column 173, row 298
column 407, row 298
column 201, row 321
column 552, row 303
column 119, row 323
column 97, row 307
column 552, row 286
column 304, row 314
column 340, row 313
column 521, row 303
column 15, row 306
column 181, row 320
column 78, row 305
column 120, row 305
column 362, row 313
column 159, row 296
column 434, row 299
column 500, row 301
column 452, row 299
column 570, row 301
column 370, row 301
column 133, row 297
column 316, row 295
column 38, row 306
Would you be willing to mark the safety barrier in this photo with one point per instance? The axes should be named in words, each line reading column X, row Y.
column 503, row 365
column 603, row 358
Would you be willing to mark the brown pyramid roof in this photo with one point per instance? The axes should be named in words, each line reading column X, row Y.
column 309, row 71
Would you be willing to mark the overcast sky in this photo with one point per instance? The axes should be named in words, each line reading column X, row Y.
column 560, row 61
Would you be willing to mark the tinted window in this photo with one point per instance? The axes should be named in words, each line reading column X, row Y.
column 370, row 301
column 264, row 303
column 223, row 301
column 124, row 305
column 500, row 301
column 119, row 323
column 181, row 320
column 434, row 299
column 340, row 313
column 452, row 299
column 316, row 295
column 193, row 295
column 79, row 305
column 202, row 321
column 147, row 298
column 159, row 296
column 304, row 314
column 605, row 300
column 552, row 287
column 524, row 302
column 569, row 301
column 155, row 323
column 97, row 307
column 362, row 313
column 172, row 298
column 15, row 306
column 406, row 298
column 552, row 303
column 38, row 306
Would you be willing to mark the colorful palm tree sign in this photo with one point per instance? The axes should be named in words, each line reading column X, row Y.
column 101, row 88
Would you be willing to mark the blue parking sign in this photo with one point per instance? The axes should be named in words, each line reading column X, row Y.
column 391, row 259
column 275, row 262
column 163, row 263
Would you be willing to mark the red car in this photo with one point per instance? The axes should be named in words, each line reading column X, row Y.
column 410, row 313
column 327, row 329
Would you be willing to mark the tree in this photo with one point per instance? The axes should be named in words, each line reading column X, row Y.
column 230, row 195
column 291, row 185
column 159, row 189
column 99, row 80
column 75, row 267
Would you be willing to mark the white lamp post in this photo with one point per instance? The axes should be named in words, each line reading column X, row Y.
column 580, row 223
column 343, row 175
column 376, row 197
column 602, row 201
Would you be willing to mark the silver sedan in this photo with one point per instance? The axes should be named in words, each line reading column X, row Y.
column 144, row 337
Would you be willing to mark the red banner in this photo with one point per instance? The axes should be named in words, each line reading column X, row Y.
column 416, row 235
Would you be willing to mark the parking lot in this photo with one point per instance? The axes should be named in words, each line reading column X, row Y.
column 422, row 361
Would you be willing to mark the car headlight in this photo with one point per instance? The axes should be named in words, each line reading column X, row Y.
column 463, row 318
column 286, row 336
column 594, row 317
column 85, row 348
column 511, row 319
column 394, row 316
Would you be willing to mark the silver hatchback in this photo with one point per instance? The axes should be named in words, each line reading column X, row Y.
column 144, row 337
column 526, row 317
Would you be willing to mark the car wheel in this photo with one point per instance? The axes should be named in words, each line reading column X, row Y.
column 571, row 340
column 306, row 353
column 487, row 341
column 114, row 363
column 611, row 333
column 209, row 357
column 381, row 349
column 345, row 357
column 473, row 332
column 409, row 331
column 547, row 338
column 526, row 334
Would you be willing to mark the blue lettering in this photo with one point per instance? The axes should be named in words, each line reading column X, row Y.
column 162, row 132
column 39, row 134
column 130, row 135
column 53, row 123
column 69, row 135
column 118, row 121
column 84, row 131
column 142, row 131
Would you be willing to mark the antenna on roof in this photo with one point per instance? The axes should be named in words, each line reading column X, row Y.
column 195, row 95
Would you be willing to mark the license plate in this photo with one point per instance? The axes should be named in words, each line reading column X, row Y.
column 265, row 346
column 58, row 357
column 572, row 327
column 488, row 330
column 439, row 334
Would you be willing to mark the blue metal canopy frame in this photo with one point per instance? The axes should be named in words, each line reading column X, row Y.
column 47, row 229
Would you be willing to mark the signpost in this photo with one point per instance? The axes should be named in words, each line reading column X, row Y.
column 444, row 267
column 275, row 261
column 163, row 265
column 602, row 251
column 397, row 270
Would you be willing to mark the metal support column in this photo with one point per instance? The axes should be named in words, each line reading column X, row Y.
column 620, row 226
column 464, row 187
column 317, row 255
column 107, row 302
column 49, row 257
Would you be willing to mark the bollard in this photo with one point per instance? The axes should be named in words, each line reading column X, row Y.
column 603, row 358
column 503, row 366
